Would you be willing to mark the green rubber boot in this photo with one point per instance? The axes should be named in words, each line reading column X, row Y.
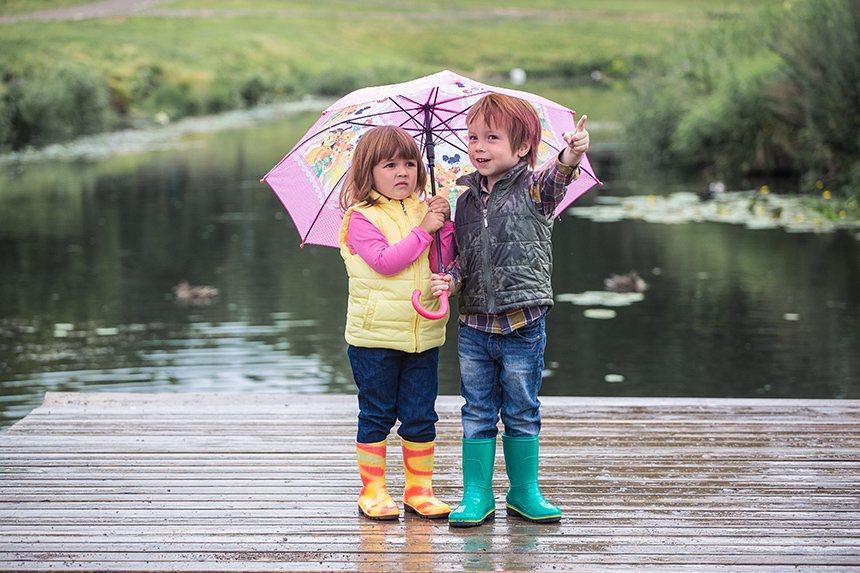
column 524, row 498
column 478, row 503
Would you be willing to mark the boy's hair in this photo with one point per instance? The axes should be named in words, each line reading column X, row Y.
column 378, row 144
column 515, row 116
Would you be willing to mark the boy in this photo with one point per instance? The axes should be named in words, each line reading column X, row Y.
column 502, row 227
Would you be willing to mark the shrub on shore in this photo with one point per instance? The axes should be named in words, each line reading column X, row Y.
column 779, row 94
column 820, row 45
column 66, row 103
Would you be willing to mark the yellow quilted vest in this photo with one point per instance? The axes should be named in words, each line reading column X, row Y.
column 379, row 312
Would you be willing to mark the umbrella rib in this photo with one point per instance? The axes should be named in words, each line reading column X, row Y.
column 322, row 207
column 551, row 144
column 590, row 174
column 447, row 125
column 412, row 114
column 455, row 144
column 348, row 121
column 435, row 109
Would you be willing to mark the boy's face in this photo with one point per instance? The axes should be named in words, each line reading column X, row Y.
column 490, row 150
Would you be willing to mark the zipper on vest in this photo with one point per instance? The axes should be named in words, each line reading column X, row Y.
column 416, row 326
column 485, row 244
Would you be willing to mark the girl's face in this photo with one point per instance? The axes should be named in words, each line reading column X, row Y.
column 395, row 178
column 490, row 150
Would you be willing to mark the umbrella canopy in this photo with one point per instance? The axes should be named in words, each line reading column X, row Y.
column 433, row 109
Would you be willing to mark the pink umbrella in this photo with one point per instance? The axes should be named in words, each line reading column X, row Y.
column 433, row 109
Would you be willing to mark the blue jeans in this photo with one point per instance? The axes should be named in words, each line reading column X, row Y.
column 501, row 374
column 393, row 384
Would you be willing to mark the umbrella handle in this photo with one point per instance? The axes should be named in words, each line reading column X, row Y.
column 443, row 301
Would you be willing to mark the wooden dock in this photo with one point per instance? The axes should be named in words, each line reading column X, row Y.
column 196, row 482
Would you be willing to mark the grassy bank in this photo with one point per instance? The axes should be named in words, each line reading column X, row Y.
column 193, row 56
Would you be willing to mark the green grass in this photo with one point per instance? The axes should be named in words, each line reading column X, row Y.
column 310, row 43
column 273, row 49
column 564, row 36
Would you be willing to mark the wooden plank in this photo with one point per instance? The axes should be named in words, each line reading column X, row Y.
column 209, row 482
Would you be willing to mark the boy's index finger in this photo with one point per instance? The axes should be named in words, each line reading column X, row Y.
column 580, row 126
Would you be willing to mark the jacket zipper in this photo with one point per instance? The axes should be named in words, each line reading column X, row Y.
column 485, row 243
column 415, row 329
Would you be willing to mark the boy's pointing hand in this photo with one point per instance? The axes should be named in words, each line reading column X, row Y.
column 577, row 143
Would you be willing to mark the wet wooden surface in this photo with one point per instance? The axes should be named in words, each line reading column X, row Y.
column 190, row 482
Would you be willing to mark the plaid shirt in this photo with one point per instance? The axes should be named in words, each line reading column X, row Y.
column 547, row 190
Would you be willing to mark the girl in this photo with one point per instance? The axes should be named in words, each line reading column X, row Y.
column 386, row 240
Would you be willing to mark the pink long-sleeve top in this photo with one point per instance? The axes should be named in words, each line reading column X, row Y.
column 368, row 242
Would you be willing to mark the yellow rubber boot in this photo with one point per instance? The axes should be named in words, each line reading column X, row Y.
column 418, row 496
column 374, row 501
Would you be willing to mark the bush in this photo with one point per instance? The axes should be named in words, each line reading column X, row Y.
column 62, row 104
column 255, row 91
column 821, row 47
column 733, row 127
column 6, row 133
column 175, row 99
column 222, row 97
column 777, row 94
column 701, row 105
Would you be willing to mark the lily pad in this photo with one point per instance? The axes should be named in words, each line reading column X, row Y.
column 601, row 298
column 600, row 313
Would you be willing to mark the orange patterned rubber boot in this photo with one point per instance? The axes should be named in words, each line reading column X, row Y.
column 418, row 495
column 374, row 501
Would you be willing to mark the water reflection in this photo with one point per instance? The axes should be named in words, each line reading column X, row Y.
column 476, row 545
column 90, row 253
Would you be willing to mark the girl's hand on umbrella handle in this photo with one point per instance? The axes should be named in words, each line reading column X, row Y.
column 439, row 204
column 577, row 143
column 432, row 222
column 432, row 315
column 441, row 284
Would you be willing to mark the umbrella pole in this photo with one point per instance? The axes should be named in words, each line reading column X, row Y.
column 431, row 164
column 431, row 168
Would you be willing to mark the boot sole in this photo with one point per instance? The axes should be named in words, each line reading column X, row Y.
column 514, row 513
column 491, row 516
column 409, row 509
column 391, row 517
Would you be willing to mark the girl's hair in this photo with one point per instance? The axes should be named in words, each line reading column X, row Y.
column 515, row 116
column 378, row 144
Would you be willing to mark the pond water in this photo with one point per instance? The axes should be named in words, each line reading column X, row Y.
column 93, row 244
